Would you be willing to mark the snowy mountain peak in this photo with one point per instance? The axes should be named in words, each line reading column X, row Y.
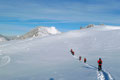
column 40, row 31
column 49, row 30
column 90, row 25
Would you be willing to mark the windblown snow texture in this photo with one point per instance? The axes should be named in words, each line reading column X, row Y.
column 49, row 57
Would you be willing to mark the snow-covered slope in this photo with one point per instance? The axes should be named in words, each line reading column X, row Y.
column 41, row 31
column 2, row 38
column 49, row 58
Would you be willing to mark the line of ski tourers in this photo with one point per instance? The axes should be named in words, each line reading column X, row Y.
column 85, row 60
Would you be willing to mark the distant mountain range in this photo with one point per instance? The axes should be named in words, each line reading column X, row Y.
column 38, row 32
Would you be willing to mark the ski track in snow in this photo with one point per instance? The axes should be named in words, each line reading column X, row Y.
column 4, row 60
column 101, row 75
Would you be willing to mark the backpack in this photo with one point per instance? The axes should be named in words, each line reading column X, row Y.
column 100, row 62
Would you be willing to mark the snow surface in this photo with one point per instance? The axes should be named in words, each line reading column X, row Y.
column 49, row 58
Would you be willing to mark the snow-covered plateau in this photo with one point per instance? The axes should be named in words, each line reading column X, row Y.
column 49, row 57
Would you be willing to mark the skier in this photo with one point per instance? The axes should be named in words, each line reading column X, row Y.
column 99, row 64
column 80, row 58
column 72, row 52
column 85, row 60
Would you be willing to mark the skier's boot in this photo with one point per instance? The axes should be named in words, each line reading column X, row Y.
column 99, row 69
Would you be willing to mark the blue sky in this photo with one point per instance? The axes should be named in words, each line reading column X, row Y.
column 19, row 16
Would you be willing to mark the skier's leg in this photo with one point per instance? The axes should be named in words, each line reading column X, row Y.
column 100, row 67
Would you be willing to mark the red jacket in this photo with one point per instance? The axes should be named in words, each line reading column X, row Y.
column 99, row 62
column 84, row 59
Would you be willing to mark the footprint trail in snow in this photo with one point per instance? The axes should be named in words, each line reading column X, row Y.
column 101, row 75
